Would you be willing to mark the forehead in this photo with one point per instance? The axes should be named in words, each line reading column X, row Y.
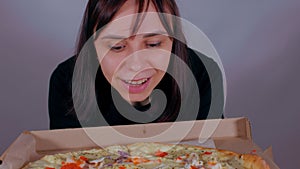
column 125, row 19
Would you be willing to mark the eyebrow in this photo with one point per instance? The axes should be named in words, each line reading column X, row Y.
column 111, row 36
column 146, row 35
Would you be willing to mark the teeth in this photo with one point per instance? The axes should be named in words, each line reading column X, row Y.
column 136, row 82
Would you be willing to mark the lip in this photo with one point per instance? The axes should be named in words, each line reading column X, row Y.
column 137, row 85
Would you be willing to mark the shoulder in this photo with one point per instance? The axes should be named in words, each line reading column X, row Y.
column 64, row 69
column 210, row 79
column 200, row 63
column 61, row 76
column 198, row 59
column 66, row 65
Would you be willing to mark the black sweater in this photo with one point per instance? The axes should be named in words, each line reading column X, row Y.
column 60, row 93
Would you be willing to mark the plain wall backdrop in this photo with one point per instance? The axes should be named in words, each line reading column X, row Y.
column 258, row 42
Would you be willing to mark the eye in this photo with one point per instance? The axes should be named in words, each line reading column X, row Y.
column 117, row 47
column 153, row 44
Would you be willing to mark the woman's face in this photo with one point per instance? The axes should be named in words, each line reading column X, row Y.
column 134, row 64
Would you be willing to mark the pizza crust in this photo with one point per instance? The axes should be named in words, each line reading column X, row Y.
column 254, row 162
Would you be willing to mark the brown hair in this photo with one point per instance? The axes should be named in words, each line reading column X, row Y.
column 99, row 13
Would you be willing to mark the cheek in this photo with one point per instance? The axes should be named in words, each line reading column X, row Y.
column 109, row 66
column 160, row 60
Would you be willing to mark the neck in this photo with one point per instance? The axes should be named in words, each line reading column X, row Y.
column 142, row 103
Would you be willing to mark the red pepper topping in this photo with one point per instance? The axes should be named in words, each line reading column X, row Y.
column 211, row 163
column 207, row 153
column 122, row 167
column 83, row 158
column 49, row 168
column 193, row 167
column 137, row 160
column 70, row 166
column 160, row 153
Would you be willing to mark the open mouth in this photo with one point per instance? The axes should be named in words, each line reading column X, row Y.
column 136, row 82
column 136, row 86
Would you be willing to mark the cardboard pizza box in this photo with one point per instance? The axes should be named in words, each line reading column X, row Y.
column 231, row 134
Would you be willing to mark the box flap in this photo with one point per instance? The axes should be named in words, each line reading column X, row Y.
column 269, row 153
column 163, row 132
column 21, row 151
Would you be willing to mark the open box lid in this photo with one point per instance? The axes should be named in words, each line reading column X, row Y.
column 155, row 132
column 232, row 134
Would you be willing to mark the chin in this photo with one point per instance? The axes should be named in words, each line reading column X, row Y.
column 131, row 98
column 140, row 98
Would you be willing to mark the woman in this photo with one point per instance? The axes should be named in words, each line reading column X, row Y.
column 127, row 49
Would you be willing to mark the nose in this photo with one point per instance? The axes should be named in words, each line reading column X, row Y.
column 135, row 60
column 135, row 67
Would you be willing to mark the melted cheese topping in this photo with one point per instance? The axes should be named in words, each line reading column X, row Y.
column 144, row 156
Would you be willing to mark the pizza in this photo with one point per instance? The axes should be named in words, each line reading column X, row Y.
column 150, row 156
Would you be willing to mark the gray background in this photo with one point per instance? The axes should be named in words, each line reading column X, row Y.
column 258, row 42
